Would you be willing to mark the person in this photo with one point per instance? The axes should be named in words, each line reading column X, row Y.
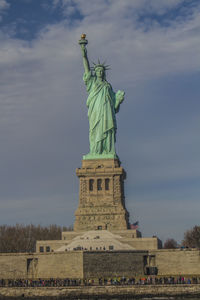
column 103, row 103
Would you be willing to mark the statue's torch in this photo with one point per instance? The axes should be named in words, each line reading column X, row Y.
column 83, row 40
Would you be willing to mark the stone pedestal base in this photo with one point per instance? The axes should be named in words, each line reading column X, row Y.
column 101, row 196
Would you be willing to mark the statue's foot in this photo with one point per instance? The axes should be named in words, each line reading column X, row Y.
column 100, row 156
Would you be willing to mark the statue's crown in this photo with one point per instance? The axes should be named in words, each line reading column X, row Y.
column 100, row 65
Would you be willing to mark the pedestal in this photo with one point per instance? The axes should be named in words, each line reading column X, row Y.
column 101, row 196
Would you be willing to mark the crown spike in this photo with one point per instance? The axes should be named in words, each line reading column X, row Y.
column 102, row 65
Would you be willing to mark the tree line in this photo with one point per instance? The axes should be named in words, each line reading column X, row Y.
column 22, row 238
column 191, row 240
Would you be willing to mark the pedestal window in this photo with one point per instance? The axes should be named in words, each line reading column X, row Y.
column 99, row 184
column 91, row 184
column 107, row 184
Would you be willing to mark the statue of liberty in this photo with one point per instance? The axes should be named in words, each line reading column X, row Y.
column 103, row 103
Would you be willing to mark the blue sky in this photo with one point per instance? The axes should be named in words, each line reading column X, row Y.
column 153, row 49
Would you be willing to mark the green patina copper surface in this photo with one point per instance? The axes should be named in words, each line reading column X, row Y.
column 103, row 103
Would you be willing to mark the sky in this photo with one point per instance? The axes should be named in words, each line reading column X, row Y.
column 153, row 48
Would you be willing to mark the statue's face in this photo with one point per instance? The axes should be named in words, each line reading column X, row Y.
column 99, row 72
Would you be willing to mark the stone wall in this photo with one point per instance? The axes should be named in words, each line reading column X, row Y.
column 60, row 265
column 13, row 265
column 143, row 243
column 103, row 292
column 109, row 264
column 52, row 244
column 86, row 264
column 44, row 265
column 177, row 261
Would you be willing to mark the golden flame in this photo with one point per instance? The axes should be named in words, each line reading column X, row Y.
column 83, row 36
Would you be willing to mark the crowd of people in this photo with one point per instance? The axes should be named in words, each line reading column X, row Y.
column 53, row 282
column 150, row 280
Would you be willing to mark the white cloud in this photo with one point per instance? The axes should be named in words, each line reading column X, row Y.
column 90, row 7
column 156, row 52
column 4, row 4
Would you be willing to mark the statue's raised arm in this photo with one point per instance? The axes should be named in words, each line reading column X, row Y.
column 103, row 103
column 83, row 42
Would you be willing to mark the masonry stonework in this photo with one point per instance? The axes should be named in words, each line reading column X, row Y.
column 41, row 265
column 176, row 261
column 96, row 264
column 101, row 196
column 109, row 264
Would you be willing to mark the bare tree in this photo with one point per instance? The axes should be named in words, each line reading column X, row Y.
column 192, row 238
column 170, row 244
column 22, row 238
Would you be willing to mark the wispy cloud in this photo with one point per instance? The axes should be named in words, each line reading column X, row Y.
column 4, row 5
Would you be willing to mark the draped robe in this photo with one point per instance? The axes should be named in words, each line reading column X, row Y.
column 102, row 107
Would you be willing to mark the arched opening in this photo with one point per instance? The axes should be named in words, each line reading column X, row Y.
column 99, row 184
column 107, row 183
column 91, row 184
